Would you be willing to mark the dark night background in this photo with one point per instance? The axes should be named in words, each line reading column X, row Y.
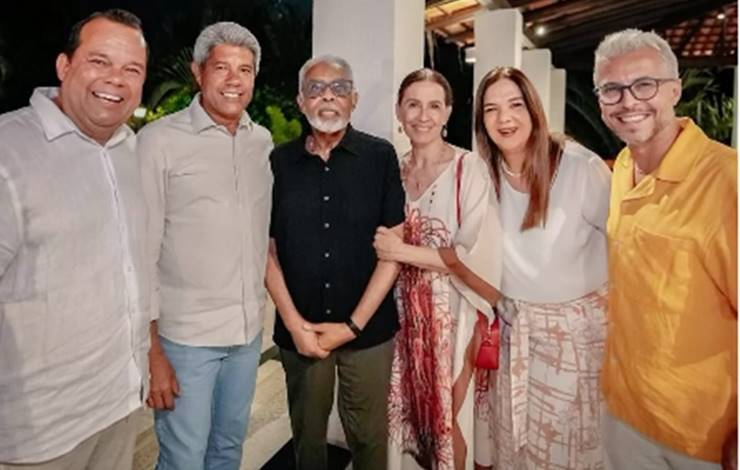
column 33, row 32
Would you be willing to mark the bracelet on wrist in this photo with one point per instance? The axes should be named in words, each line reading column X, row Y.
column 352, row 326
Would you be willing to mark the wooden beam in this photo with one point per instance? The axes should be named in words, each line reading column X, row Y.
column 576, row 37
column 463, row 37
column 459, row 16
column 595, row 18
column 657, row 23
column 557, row 10
column 437, row 3
column 576, row 61
column 707, row 61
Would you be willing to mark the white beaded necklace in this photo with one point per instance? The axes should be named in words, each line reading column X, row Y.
column 508, row 171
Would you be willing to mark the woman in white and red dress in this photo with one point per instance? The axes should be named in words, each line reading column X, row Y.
column 451, row 255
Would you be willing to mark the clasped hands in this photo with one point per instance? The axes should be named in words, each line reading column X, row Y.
column 317, row 340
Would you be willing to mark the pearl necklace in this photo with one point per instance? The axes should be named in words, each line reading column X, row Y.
column 508, row 171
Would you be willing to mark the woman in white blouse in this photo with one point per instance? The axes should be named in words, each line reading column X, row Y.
column 451, row 273
column 554, row 200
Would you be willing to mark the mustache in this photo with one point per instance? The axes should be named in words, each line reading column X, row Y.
column 327, row 108
column 637, row 108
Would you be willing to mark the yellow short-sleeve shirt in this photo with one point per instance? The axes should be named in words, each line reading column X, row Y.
column 670, row 367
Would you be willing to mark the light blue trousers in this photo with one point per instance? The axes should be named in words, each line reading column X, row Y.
column 206, row 429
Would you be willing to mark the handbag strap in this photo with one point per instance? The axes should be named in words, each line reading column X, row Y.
column 458, row 184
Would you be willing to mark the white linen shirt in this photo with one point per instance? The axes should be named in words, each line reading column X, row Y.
column 566, row 259
column 209, row 195
column 74, row 312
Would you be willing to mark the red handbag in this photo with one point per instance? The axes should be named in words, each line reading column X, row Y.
column 487, row 357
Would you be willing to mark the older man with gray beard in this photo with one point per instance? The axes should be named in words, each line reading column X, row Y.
column 333, row 187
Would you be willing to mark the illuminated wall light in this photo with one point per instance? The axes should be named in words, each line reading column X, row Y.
column 540, row 30
column 721, row 16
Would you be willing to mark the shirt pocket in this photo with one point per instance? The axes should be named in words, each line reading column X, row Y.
column 661, row 267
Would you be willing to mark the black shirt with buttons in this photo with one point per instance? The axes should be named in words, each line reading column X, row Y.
column 324, row 217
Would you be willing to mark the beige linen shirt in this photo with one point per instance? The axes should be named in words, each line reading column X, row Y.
column 209, row 197
column 74, row 300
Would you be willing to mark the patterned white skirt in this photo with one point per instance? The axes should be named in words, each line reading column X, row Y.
column 546, row 401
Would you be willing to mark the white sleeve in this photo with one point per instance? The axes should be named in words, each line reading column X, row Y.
column 597, row 186
column 477, row 242
column 153, row 168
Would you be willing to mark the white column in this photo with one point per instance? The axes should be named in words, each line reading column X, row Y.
column 536, row 65
column 557, row 100
column 498, row 41
column 383, row 40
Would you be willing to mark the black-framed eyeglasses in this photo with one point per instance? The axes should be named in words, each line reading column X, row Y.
column 315, row 88
column 643, row 89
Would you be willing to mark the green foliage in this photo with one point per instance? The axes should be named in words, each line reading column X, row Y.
column 277, row 111
column 703, row 102
column 282, row 129
column 583, row 117
column 266, row 95
column 177, row 99
column 176, row 87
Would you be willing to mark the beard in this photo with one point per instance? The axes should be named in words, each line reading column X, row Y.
column 327, row 126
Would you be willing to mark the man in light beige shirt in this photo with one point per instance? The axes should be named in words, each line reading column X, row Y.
column 208, row 185
column 74, row 314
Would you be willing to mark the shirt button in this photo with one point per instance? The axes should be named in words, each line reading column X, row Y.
column 326, row 254
column 326, row 198
column 327, row 225
column 328, row 311
column 327, row 285
column 326, row 168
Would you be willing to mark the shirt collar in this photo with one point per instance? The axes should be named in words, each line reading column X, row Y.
column 678, row 161
column 56, row 124
column 201, row 120
column 349, row 142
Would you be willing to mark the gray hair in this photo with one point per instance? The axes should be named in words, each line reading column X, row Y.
column 225, row 32
column 323, row 59
column 630, row 40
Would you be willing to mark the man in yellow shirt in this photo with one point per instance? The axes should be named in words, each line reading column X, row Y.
column 670, row 369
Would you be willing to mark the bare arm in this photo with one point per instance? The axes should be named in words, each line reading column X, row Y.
column 333, row 335
column 390, row 246
column 302, row 332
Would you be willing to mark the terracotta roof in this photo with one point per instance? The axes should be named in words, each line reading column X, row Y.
column 700, row 32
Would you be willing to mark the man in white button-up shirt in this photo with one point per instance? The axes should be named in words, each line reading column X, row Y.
column 208, row 184
column 74, row 300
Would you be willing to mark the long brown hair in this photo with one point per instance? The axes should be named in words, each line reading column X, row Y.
column 543, row 149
